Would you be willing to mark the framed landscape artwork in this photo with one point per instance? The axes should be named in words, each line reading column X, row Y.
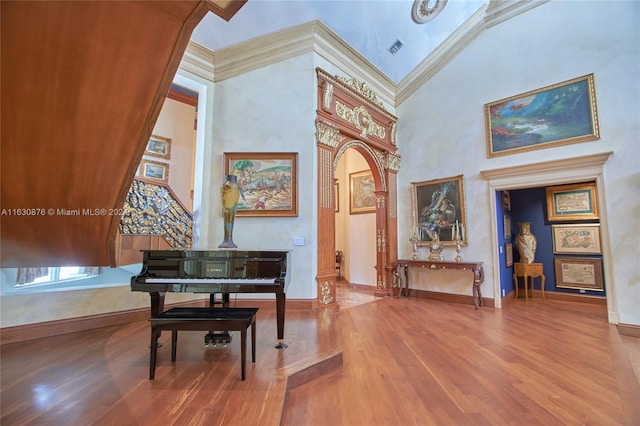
column 576, row 239
column 559, row 114
column 438, row 205
column 154, row 170
column 158, row 147
column 579, row 273
column 362, row 197
column 572, row 202
column 268, row 182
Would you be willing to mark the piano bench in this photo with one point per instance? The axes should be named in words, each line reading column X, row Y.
column 203, row 319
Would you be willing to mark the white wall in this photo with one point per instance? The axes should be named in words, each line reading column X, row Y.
column 271, row 109
column 442, row 133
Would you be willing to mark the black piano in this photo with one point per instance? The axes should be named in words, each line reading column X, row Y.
column 214, row 272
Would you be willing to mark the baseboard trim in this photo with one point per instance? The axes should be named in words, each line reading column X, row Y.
column 448, row 297
column 510, row 298
column 22, row 333
column 629, row 330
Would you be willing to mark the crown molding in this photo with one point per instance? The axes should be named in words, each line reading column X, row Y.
column 311, row 37
column 502, row 10
column 198, row 60
column 493, row 13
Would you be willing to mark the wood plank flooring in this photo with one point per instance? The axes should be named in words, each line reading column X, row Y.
column 404, row 362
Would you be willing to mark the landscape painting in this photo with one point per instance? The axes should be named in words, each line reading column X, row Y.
column 560, row 114
column 268, row 183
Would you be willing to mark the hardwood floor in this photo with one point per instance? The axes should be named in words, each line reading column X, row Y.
column 382, row 362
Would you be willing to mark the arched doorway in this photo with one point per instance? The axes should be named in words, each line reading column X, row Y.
column 350, row 116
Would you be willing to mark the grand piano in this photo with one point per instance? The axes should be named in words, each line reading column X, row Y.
column 214, row 272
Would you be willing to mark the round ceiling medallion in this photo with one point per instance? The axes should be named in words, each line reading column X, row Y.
column 425, row 10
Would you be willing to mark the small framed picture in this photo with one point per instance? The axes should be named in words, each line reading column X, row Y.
column 576, row 239
column 158, row 147
column 579, row 273
column 154, row 170
column 506, row 201
column 362, row 197
column 508, row 254
column 572, row 202
column 507, row 226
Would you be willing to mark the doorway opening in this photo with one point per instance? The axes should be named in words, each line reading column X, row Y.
column 550, row 173
column 350, row 118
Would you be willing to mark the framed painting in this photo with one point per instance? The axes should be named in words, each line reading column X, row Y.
column 508, row 254
column 154, row 170
column 572, row 202
column 559, row 114
column 507, row 226
column 158, row 147
column 362, row 197
column 579, row 273
column 268, row 182
column 336, row 197
column 506, row 201
column 438, row 208
column 576, row 239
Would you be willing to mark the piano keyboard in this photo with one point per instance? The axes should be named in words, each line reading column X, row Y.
column 256, row 281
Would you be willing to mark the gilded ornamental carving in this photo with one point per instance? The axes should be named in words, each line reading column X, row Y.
column 361, row 119
column 150, row 209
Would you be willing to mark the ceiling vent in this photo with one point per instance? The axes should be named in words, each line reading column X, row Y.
column 395, row 47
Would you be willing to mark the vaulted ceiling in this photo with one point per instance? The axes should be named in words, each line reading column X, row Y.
column 371, row 27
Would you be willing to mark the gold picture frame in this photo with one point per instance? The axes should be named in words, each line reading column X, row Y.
column 362, row 197
column 576, row 239
column 559, row 114
column 438, row 206
column 154, row 170
column 572, row 202
column 158, row 146
column 508, row 254
column 269, row 182
column 579, row 273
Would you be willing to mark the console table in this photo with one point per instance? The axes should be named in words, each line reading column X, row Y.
column 475, row 267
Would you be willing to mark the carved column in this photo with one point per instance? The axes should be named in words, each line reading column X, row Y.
column 328, row 138
column 392, row 165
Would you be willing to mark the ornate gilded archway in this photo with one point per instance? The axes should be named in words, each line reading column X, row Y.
column 349, row 115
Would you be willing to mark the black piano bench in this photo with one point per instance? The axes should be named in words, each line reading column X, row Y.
column 203, row 319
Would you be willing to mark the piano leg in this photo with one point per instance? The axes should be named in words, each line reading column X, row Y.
column 280, row 304
column 157, row 307
column 157, row 303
